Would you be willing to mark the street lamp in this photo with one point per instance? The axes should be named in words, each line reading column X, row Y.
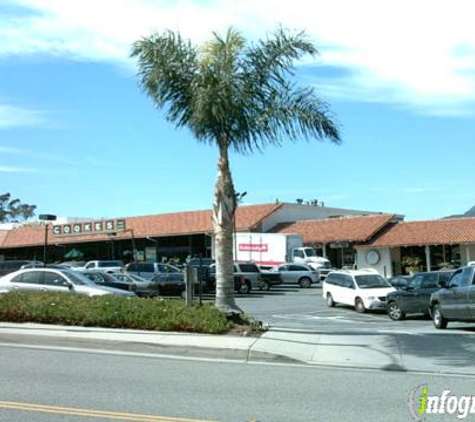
column 46, row 218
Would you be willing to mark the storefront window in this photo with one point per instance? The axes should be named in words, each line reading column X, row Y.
column 445, row 256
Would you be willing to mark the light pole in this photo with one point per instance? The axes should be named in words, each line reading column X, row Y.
column 134, row 249
column 46, row 218
column 111, row 238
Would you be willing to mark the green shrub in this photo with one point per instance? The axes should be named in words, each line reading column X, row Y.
column 111, row 312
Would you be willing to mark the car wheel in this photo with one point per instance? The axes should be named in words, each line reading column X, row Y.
column 264, row 285
column 244, row 288
column 305, row 282
column 359, row 306
column 438, row 319
column 395, row 312
column 330, row 302
column 183, row 294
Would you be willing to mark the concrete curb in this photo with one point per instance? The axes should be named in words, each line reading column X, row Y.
column 388, row 352
column 169, row 344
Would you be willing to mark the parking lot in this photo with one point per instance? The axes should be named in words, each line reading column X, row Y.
column 291, row 308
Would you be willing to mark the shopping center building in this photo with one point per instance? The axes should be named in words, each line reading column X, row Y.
column 153, row 237
column 349, row 238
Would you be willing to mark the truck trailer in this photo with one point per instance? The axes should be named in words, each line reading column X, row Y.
column 270, row 249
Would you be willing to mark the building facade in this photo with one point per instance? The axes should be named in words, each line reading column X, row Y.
column 349, row 238
column 420, row 246
column 162, row 237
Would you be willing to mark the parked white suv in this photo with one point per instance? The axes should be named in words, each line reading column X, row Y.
column 363, row 289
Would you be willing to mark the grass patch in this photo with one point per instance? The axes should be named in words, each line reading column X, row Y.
column 111, row 312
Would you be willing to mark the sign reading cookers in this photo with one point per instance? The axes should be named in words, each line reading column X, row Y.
column 93, row 227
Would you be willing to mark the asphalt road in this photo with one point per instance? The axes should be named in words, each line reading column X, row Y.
column 47, row 385
column 292, row 308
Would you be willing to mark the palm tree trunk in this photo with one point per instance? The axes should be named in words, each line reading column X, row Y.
column 223, row 218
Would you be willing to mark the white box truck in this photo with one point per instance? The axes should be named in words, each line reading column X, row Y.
column 269, row 249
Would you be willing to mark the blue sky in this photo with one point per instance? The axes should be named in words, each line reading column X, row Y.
column 78, row 138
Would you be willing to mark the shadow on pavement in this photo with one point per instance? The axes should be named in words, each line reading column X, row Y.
column 445, row 350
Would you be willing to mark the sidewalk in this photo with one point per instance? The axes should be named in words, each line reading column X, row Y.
column 448, row 354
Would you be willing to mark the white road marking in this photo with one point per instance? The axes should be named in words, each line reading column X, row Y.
column 307, row 317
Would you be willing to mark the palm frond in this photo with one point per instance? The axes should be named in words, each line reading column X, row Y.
column 232, row 94
column 167, row 67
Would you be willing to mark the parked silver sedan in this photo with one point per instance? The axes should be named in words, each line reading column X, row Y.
column 53, row 280
column 299, row 274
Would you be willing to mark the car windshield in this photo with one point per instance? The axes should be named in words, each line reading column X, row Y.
column 78, row 279
column 310, row 252
column 166, row 268
column 249, row 268
column 371, row 281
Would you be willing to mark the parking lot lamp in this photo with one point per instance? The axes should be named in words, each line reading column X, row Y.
column 111, row 238
column 46, row 218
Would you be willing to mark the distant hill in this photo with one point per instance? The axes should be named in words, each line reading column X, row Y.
column 469, row 213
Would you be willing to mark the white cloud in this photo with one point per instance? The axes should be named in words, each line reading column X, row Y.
column 419, row 54
column 15, row 116
column 8, row 169
column 36, row 156
column 9, row 150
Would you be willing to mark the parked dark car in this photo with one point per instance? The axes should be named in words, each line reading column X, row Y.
column 102, row 278
column 9, row 266
column 150, row 269
column 168, row 287
column 270, row 279
column 415, row 297
column 144, row 287
column 202, row 266
column 206, row 272
column 400, row 281
column 247, row 276
column 456, row 301
column 242, row 283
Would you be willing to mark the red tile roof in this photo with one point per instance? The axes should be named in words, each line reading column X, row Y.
column 343, row 229
column 434, row 232
column 3, row 235
column 161, row 225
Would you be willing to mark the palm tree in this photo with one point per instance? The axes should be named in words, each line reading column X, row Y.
column 235, row 96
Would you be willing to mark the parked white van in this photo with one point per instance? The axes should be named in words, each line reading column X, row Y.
column 363, row 289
